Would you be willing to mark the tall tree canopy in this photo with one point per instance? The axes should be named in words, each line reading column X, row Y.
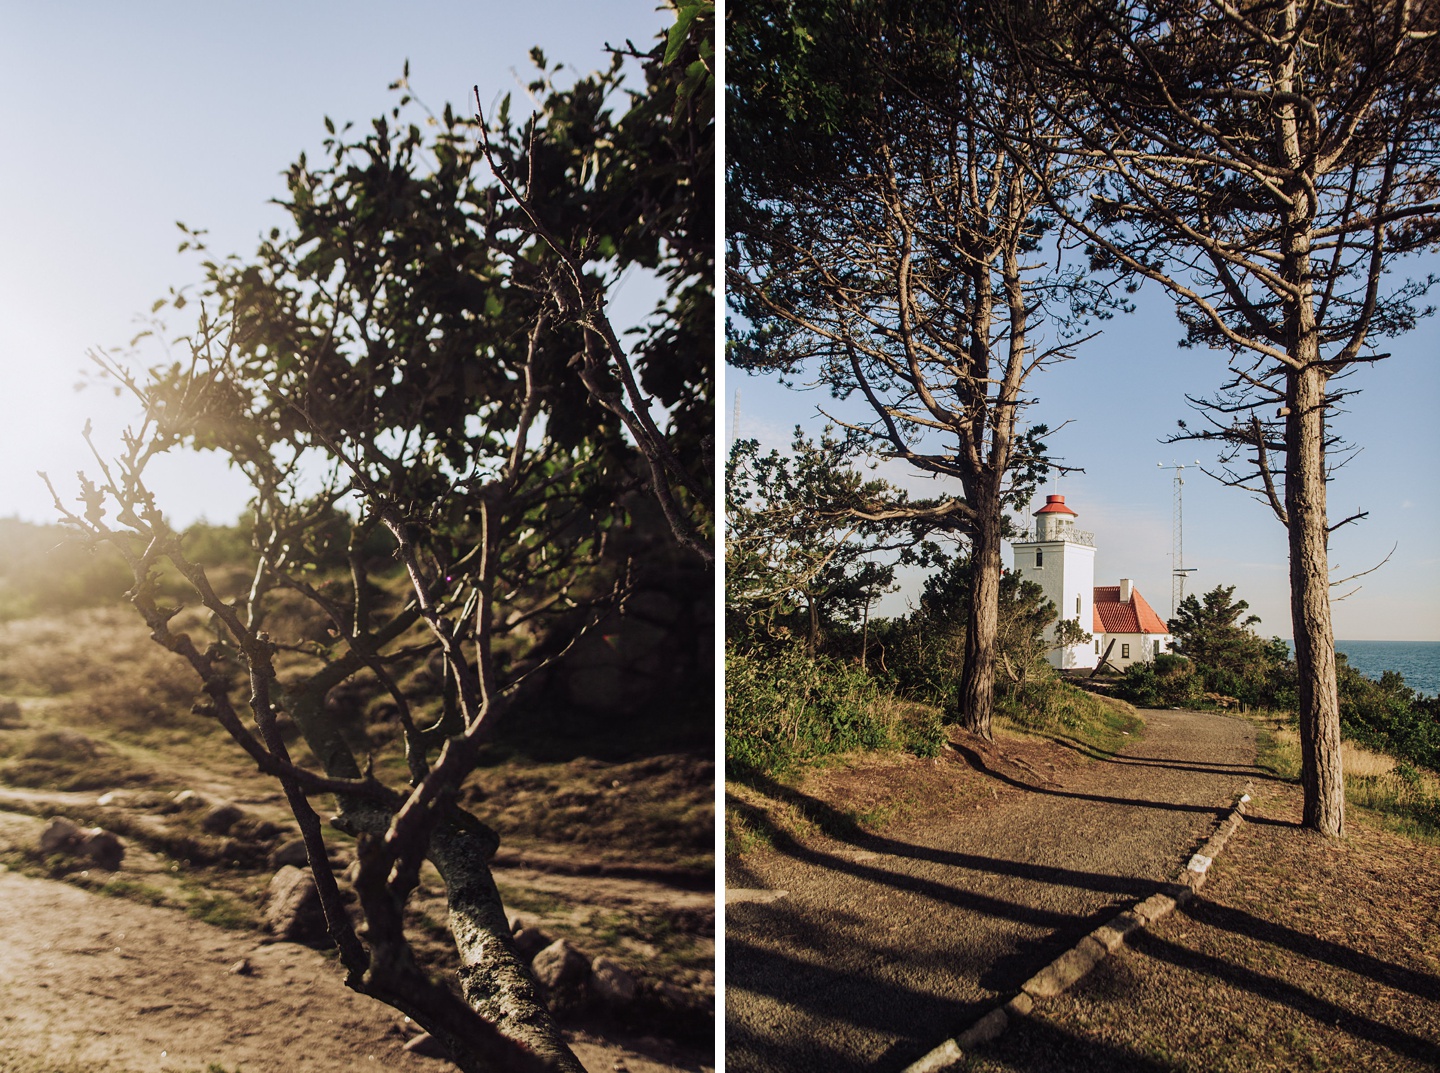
column 886, row 240
column 453, row 454
column 797, row 541
column 1268, row 162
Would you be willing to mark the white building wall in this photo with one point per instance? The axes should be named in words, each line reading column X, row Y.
column 1066, row 574
column 1142, row 647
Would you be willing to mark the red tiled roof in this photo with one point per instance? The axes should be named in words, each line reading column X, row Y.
column 1111, row 616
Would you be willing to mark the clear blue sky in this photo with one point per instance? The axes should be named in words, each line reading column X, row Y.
column 124, row 118
column 1123, row 395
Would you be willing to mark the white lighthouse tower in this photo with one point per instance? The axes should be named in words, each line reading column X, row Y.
column 1061, row 560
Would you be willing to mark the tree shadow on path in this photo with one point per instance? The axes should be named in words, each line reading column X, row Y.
column 977, row 761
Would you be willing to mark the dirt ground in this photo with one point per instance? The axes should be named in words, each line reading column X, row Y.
column 103, row 984
column 109, row 986
column 1300, row 953
column 878, row 923
column 166, row 963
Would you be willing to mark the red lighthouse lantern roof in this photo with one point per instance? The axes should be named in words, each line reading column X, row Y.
column 1055, row 505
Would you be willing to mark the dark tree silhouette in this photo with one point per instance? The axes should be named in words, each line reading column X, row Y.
column 448, row 445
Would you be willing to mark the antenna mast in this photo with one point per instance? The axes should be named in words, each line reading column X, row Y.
column 1177, row 540
column 735, row 421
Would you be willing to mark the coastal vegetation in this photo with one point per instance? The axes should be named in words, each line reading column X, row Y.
column 962, row 215
column 1390, row 734
column 811, row 676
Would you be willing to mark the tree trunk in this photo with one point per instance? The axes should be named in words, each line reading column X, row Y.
column 500, row 1021
column 976, row 701
column 1320, row 774
column 494, row 980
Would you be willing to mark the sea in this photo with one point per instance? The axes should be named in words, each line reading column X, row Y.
column 1417, row 661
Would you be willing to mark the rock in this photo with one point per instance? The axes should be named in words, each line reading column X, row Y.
column 530, row 941
column 59, row 836
column 560, row 967
column 254, row 829
column 101, row 847
column 146, row 799
column 241, row 968
column 292, row 853
column 292, row 908
column 189, row 799
column 94, row 844
column 612, row 984
column 10, row 715
column 427, row 1046
column 220, row 818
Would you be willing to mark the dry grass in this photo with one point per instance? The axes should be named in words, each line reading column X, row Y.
column 853, row 794
column 659, row 809
column 1354, row 760
column 1398, row 795
column 124, row 703
column 1299, row 954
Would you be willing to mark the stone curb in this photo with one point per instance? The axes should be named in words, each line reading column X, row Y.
column 1071, row 966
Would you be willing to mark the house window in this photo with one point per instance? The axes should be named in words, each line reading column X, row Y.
column 1157, row 648
column 1039, row 556
column 1097, row 646
column 1124, row 651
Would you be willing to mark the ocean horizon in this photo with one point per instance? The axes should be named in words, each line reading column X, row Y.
column 1418, row 662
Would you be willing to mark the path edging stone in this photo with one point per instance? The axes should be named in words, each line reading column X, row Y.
column 1071, row 966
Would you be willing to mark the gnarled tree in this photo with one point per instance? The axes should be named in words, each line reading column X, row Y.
column 446, row 440
column 893, row 246
column 797, row 544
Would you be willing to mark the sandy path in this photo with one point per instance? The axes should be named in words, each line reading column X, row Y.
column 107, row 985
column 884, row 945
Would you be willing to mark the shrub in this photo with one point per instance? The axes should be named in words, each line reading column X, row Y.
column 1388, row 716
column 1046, row 704
column 1168, row 681
column 786, row 707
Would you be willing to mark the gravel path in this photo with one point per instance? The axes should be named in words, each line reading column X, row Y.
column 884, row 945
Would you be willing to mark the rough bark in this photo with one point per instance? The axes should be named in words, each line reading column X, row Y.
column 977, row 682
column 902, row 262
column 1268, row 164
column 1314, row 636
column 500, row 1022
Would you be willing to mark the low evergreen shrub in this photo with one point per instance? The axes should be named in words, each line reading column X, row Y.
column 785, row 707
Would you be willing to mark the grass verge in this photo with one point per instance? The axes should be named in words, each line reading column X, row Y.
column 1404, row 798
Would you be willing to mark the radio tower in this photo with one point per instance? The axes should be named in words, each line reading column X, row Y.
column 1177, row 540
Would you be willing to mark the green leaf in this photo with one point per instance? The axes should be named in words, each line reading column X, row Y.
column 678, row 32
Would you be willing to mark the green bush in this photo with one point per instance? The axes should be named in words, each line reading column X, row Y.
column 919, row 729
column 785, row 707
column 1046, row 704
column 1168, row 681
column 1388, row 716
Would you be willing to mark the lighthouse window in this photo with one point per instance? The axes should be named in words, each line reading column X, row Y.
column 1077, row 608
column 1039, row 556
